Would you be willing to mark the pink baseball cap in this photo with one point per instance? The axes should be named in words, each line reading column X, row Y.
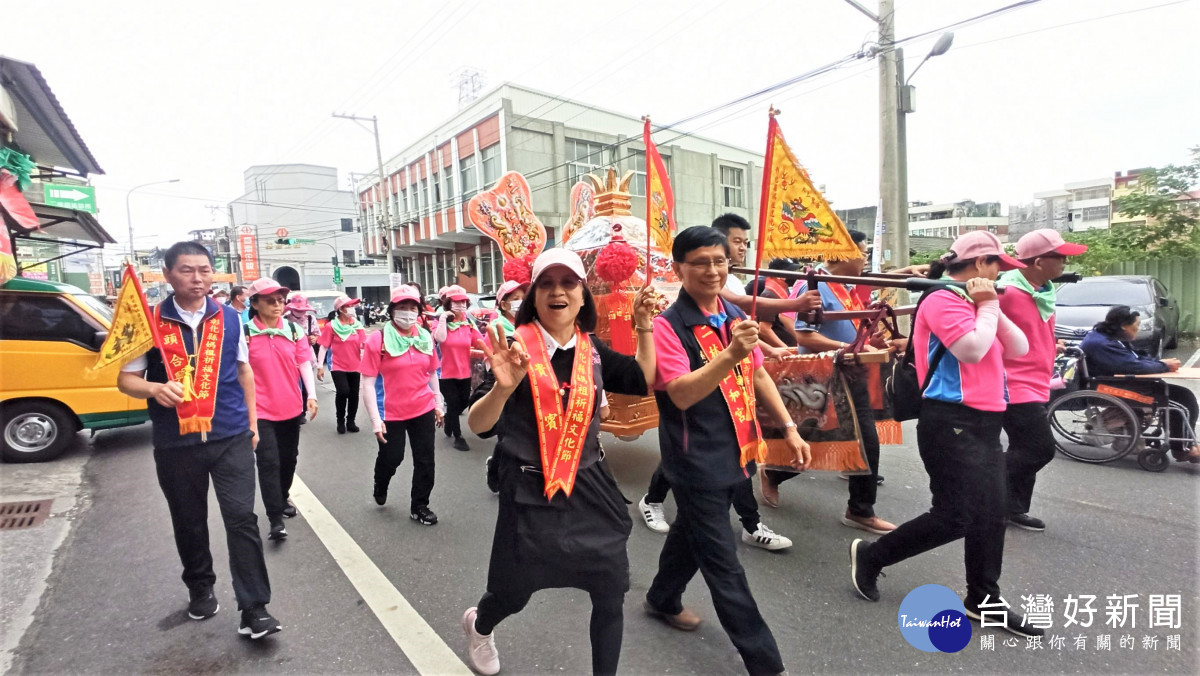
column 299, row 301
column 454, row 292
column 264, row 286
column 1045, row 241
column 507, row 288
column 343, row 301
column 983, row 243
column 406, row 292
column 551, row 257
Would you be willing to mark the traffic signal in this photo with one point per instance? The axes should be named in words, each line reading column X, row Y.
column 285, row 240
column 335, row 260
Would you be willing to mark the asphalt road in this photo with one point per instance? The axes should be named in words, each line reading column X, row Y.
column 109, row 599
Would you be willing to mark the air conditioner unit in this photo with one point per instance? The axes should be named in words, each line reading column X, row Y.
column 466, row 265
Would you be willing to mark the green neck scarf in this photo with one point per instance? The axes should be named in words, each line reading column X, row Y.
column 395, row 344
column 344, row 331
column 451, row 326
column 509, row 329
column 1043, row 298
column 958, row 290
column 281, row 331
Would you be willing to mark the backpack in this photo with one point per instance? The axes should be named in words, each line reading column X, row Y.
column 902, row 385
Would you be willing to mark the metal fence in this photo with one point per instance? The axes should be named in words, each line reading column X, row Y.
column 1180, row 276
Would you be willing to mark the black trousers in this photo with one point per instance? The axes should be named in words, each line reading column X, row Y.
column 701, row 539
column 863, row 487
column 419, row 431
column 278, row 449
column 605, row 629
column 346, row 399
column 1030, row 448
column 743, row 498
column 960, row 447
column 457, row 392
column 183, row 475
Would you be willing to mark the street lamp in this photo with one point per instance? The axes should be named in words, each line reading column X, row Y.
column 129, row 219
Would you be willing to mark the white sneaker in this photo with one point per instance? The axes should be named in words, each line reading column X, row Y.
column 652, row 512
column 481, row 650
column 765, row 538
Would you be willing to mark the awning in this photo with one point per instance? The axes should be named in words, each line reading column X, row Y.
column 77, row 230
column 43, row 129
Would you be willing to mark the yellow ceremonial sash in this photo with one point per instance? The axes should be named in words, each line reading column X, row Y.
column 560, row 435
column 738, row 394
column 198, row 373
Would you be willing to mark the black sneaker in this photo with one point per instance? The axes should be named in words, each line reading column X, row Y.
column 1014, row 621
column 341, row 427
column 278, row 530
column 351, row 427
column 289, row 510
column 460, row 444
column 380, row 494
column 203, row 604
column 257, row 623
column 1027, row 522
column 423, row 516
column 862, row 577
column 493, row 476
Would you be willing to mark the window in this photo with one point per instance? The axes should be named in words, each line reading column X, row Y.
column 731, row 187
column 347, row 225
column 466, row 177
column 437, row 189
column 490, row 157
column 583, row 158
column 348, row 257
column 637, row 186
column 424, row 195
column 449, row 190
column 44, row 317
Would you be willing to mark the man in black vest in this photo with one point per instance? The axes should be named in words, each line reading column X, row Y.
column 707, row 356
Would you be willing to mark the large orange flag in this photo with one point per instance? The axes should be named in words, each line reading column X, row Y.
column 795, row 221
column 132, row 334
column 660, row 200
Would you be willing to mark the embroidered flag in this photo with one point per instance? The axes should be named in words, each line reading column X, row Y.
column 132, row 333
column 795, row 221
column 660, row 199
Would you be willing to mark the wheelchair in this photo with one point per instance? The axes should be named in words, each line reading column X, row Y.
column 1100, row 419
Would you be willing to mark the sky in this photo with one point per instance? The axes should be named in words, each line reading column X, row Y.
column 1060, row 91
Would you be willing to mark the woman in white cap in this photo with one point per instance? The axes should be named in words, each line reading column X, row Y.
column 343, row 337
column 281, row 360
column 456, row 334
column 961, row 339
column 401, row 394
column 509, row 297
column 562, row 521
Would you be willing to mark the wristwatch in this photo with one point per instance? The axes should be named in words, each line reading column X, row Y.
column 789, row 424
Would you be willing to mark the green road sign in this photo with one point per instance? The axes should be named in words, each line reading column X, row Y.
column 303, row 241
column 77, row 197
column 337, row 276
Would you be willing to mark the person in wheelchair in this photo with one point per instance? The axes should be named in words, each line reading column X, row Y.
column 1108, row 353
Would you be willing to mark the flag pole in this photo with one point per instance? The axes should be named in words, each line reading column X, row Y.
column 772, row 125
column 137, row 285
column 649, row 206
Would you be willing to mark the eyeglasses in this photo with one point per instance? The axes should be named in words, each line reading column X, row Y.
column 567, row 283
column 272, row 300
column 702, row 263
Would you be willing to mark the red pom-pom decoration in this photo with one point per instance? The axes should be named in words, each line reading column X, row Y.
column 519, row 270
column 617, row 261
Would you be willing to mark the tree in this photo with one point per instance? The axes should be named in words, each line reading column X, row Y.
column 1172, row 230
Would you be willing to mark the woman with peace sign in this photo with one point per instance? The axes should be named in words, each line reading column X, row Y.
column 562, row 521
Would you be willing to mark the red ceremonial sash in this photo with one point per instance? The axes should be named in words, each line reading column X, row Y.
column 848, row 300
column 197, row 372
column 739, row 397
column 560, row 435
column 776, row 286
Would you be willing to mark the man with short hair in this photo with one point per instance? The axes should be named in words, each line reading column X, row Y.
column 237, row 300
column 200, row 393
column 1028, row 301
column 709, row 438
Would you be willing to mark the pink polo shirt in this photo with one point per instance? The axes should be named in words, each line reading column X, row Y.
column 402, row 389
column 456, row 351
column 671, row 358
column 1029, row 376
column 347, row 354
column 275, row 361
column 944, row 318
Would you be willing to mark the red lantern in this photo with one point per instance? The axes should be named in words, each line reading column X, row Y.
column 617, row 261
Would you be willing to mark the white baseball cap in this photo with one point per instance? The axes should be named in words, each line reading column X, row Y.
column 551, row 257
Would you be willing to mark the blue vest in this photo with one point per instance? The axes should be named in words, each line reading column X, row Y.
column 230, row 416
column 698, row 446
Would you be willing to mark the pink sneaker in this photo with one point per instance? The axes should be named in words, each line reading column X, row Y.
column 481, row 650
column 871, row 524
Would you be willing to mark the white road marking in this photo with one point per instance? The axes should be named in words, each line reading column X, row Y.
column 417, row 640
column 1192, row 359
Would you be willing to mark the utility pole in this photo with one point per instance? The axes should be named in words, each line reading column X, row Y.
column 892, row 200
column 387, row 212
